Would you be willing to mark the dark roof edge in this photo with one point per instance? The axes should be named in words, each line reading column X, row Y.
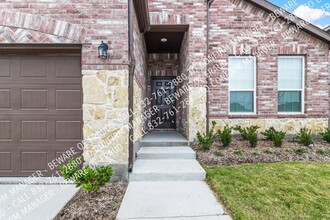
column 327, row 28
column 142, row 14
column 309, row 28
column 169, row 28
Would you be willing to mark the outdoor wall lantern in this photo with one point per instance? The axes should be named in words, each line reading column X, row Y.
column 103, row 50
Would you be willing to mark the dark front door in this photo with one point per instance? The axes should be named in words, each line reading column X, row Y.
column 162, row 98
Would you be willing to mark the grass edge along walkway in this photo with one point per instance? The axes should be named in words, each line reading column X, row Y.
column 286, row 190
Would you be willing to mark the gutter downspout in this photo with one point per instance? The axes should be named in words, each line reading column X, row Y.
column 130, row 86
column 209, row 3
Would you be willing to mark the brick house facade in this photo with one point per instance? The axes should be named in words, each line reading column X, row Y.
column 208, row 37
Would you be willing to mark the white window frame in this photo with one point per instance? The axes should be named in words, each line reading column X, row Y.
column 302, row 90
column 254, row 90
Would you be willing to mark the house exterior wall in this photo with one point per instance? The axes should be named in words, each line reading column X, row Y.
column 192, row 13
column 140, row 82
column 183, row 125
column 230, row 19
column 105, row 82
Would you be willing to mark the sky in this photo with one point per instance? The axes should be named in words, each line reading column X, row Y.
column 316, row 12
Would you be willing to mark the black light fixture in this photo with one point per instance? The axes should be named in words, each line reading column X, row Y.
column 103, row 50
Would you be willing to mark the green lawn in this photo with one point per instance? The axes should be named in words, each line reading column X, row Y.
column 295, row 190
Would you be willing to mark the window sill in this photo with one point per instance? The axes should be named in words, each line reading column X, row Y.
column 291, row 115
column 243, row 116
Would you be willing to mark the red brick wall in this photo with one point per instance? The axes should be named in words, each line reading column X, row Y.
column 193, row 13
column 70, row 21
column 229, row 19
column 140, row 53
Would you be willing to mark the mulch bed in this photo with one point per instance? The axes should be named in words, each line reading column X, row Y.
column 103, row 204
column 265, row 152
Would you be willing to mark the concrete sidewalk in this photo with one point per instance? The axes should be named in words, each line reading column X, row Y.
column 170, row 200
column 167, row 183
column 34, row 202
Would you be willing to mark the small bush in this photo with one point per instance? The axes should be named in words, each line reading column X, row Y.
column 269, row 133
column 255, row 154
column 300, row 150
column 219, row 154
column 239, row 153
column 267, row 151
column 88, row 178
column 276, row 136
column 325, row 152
column 304, row 137
column 206, row 140
column 225, row 136
column 326, row 135
column 250, row 134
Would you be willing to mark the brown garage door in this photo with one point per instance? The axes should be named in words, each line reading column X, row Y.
column 40, row 109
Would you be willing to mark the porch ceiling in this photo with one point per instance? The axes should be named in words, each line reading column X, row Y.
column 172, row 45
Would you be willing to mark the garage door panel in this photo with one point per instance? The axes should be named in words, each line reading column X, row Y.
column 34, row 67
column 5, row 98
column 34, row 130
column 5, row 67
column 66, row 68
column 5, row 130
column 34, row 99
column 5, row 161
column 32, row 161
column 68, row 130
column 68, row 99
column 40, row 111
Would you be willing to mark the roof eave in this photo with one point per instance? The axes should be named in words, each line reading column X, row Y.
column 309, row 28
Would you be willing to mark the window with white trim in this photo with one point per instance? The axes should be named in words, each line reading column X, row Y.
column 290, row 84
column 242, row 85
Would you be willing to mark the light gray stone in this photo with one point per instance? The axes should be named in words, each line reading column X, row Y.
column 166, row 153
column 170, row 169
column 170, row 200
column 35, row 201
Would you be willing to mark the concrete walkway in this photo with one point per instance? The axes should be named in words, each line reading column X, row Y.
column 167, row 182
column 33, row 202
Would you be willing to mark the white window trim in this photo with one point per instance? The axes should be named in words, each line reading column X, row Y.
column 302, row 90
column 244, row 90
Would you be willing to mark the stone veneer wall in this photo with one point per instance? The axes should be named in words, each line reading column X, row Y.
column 230, row 19
column 183, row 119
column 105, row 117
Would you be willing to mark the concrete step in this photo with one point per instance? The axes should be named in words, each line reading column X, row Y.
column 161, row 143
column 167, row 170
column 166, row 153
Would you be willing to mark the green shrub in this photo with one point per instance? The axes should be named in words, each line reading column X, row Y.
column 90, row 179
column 250, row 134
column 269, row 133
column 276, row 136
column 326, row 135
column 304, row 137
column 325, row 152
column 225, row 136
column 206, row 140
column 255, row 153
column 219, row 154
column 239, row 153
column 300, row 150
